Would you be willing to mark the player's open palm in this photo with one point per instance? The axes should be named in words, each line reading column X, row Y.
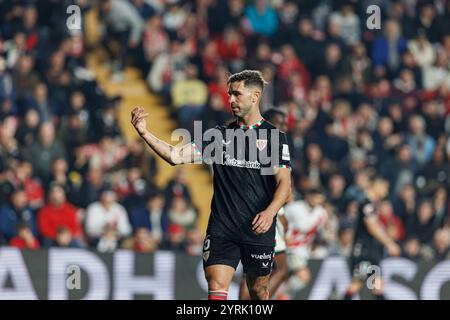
column 138, row 120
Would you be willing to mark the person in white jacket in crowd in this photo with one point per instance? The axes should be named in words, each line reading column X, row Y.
column 104, row 218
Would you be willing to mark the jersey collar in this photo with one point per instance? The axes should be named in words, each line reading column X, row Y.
column 253, row 126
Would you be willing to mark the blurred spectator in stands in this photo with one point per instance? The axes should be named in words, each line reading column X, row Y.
column 262, row 18
column 156, row 40
column 390, row 221
column 151, row 216
column 131, row 190
column 25, row 238
column 306, row 41
column 106, row 120
column 93, row 183
column 139, row 157
column 174, row 17
column 176, row 239
column 189, row 96
column 7, row 108
column 167, row 67
column 349, row 23
column 106, row 215
column 441, row 205
column 73, row 133
column 423, row 51
column 424, row 224
column 180, row 213
column 337, row 128
column 397, row 12
column 216, row 112
column 405, row 204
column 335, row 192
column 359, row 183
column 405, row 84
column 388, row 48
column 57, row 213
column 437, row 74
column 44, row 151
column 433, row 174
column 177, row 187
column 313, row 162
column 399, row 171
column 385, row 141
column 434, row 114
column 25, row 79
column 7, row 91
column 210, row 59
column 409, row 63
column 269, row 94
column 344, row 244
column 421, row 144
column 359, row 66
column 426, row 20
column 124, row 25
column 28, row 128
column 14, row 48
column 32, row 186
column 64, row 239
column 412, row 248
column 106, row 154
column 262, row 56
column 142, row 241
column 60, row 176
column 40, row 101
column 14, row 213
column 9, row 148
column 231, row 49
column 109, row 240
column 441, row 244
column 145, row 10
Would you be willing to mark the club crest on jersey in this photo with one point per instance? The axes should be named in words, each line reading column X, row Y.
column 205, row 256
column 368, row 209
column 261, row 144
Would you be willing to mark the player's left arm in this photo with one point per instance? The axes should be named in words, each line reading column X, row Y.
column 263, row 220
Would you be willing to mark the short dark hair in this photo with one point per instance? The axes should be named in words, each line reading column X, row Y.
column 250, row 78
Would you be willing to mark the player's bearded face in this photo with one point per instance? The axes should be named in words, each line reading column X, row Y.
column 241, row 100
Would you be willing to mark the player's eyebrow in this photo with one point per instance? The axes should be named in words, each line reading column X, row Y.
column 233, row 92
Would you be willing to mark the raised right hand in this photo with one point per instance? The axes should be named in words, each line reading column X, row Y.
column 138, row 120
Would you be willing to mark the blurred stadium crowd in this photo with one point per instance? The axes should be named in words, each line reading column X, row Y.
column 359, row 103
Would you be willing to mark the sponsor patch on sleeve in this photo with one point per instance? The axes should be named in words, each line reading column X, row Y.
column 285, row 153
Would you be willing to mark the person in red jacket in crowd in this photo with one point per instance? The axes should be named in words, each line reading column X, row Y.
column 24, row 238
column 58, row 213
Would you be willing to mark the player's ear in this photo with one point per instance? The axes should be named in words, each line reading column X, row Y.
column 256, row 94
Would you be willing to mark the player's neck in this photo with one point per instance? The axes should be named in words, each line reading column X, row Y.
column 250, row 119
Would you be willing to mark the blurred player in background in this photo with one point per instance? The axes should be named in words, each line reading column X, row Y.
column 280, row 272
column 305, row 218
column 369, row 242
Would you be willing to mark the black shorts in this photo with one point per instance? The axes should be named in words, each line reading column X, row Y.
column 365, row 260
column 257, row 260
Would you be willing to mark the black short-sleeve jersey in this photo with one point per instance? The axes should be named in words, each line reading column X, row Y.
column 244, row 160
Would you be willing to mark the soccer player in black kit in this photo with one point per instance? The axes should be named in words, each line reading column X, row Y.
column 370, row 241
column 248, row 190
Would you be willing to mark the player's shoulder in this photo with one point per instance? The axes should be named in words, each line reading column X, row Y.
column 269, row 125
column 367, row 208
